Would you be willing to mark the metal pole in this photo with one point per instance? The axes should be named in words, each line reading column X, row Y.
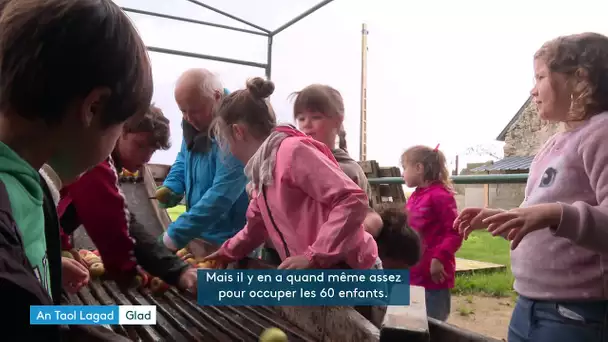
column 209, row 57
column 192, row 21
column 300, row 17
column 269, row 58
column 513, row 178
column 228, row 15
column 363, row 124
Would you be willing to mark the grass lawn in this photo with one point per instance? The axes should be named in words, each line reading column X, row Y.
column 482, row 246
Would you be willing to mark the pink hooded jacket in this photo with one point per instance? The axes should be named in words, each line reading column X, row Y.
column 431, row 212
column 314, row 209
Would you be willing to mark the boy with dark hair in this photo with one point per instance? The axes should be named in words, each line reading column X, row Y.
column 96, row 201
column 71, row 73
column 399, row 246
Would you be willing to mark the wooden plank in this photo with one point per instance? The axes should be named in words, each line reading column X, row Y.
column 486, row 195
column 159, row 171
column 467, row 266
column 442, row 331
column 388, row 205
column 150, row 184
column 385, row 172
column 366, row 166
column 370, row 168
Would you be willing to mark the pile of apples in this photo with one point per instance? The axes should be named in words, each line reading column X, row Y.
column 96, row 270
column 91, row 259
column 127, row 173
column 155, row 284
column 197, row 262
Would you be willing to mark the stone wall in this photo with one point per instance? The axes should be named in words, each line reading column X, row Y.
column 527, row 135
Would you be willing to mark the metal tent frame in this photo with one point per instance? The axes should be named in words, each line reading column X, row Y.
column 260, row 31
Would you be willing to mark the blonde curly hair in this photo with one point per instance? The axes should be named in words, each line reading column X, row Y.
column 583, row 58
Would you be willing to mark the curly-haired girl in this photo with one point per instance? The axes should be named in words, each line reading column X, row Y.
column 560, row 232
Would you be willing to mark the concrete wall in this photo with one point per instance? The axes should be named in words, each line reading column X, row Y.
column 505, row 196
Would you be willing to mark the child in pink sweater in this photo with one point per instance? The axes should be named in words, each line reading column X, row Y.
column 560, row 232
column 431, row 211
column 309, row 209
column 319, row 112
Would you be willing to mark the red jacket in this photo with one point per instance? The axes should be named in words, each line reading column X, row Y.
column 108, row 228
column 431, row 212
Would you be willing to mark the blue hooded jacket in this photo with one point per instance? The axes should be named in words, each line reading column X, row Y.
column 213, row 183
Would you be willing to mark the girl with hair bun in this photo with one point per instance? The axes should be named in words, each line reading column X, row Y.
column 302, row 202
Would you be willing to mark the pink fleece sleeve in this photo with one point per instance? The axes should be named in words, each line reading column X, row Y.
column 248, row 238
column 323, row 180
column 444, row 207
column 585, row 224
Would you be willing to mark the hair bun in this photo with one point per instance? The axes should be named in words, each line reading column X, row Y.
column 260, row 87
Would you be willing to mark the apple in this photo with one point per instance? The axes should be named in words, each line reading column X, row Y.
column 67, row 254
column 187, row 256
column 158, row 286
column 97, row 270
column 273, row 335
column 142, row 279
column 83, row 252
column 92, row 259
column 96, row 252
column 210, row 264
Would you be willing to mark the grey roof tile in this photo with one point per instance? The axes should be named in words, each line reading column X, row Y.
column 514, row 163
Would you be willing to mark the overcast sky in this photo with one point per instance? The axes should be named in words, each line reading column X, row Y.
column 439, row 72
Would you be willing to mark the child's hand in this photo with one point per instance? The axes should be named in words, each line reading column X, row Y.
column 373, row 223
column 438, row 273
column 75, row 275
column 298, row 262
column 187, row 281
column 169, row 243
column 519, row 222
column 221, row 260
column 167, row 198
column 163, row 194
column 76, row 256
column 471, row 219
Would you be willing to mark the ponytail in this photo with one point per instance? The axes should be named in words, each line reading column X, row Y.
column 342, row 139
column 444, row 173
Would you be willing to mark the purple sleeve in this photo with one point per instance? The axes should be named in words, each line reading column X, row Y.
column 583, row 223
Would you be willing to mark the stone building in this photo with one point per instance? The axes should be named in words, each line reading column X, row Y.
column 526, row 132
column 523, row 136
